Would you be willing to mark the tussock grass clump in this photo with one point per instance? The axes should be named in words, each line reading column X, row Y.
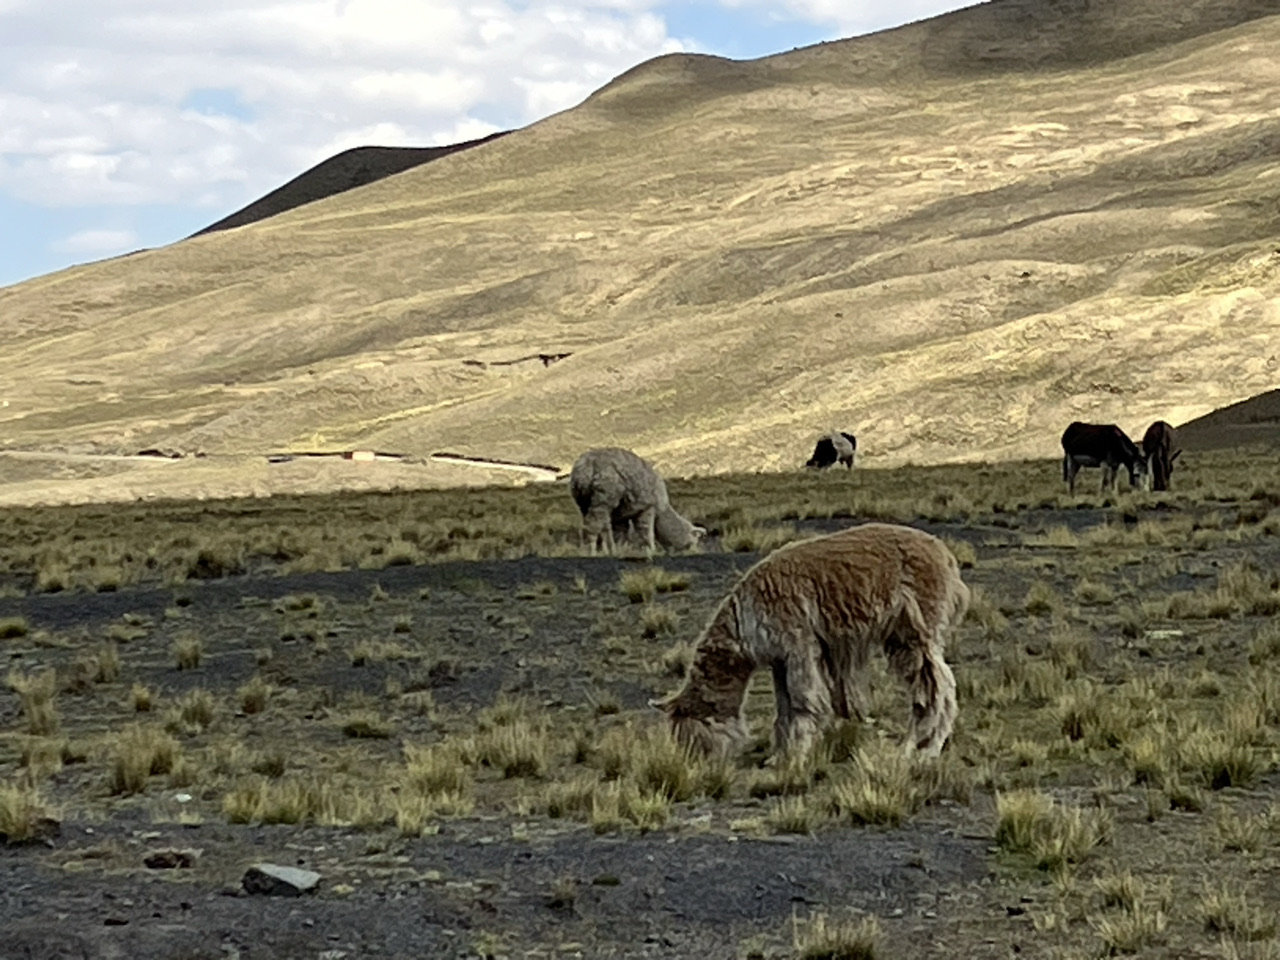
column 821, row 938
column 1138, row 927
column 367, row 725
column 1222, row 758
column 1100, row 718
column 193, row 714
column 254, row 695
column 271, row 763
column 415, row 813
column 1092, row 593
column 1151, row 758
column 616, row 803
column 436, row 770
column 141, row 698
column 44, row 756
column 791, row 775
column 36, row 692
column 11, row 628
column 188, row 651
column 604, row 703
column 571, row 798
column 654, row 762
column 795, row 814
column 656, row 620
column 1227, row 909
column 1241, row 834
column 640, row 586
column 295, row 800
column 1058, row 536
column 963, row 551
column 1240, row 591
column 107, row 663
column 307, row 603
column 1031, row 822
column 1071, row 652
column 1265, row 645
column 882, row 788
column 756, row 539
column 22, row 812
column 677, row 659
column 1134, row 622
column 520, row 748
column 1120, row 889
column 1043, row 600
column 504, row 712
column 53, row 577
column 985, row 612
column 139, row 753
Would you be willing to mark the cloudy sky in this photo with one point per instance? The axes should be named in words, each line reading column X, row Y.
column 134, row 123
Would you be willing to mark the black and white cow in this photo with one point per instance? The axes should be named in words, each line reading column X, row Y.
column 1101, row 445
column 1160, row 446
column 834, row 448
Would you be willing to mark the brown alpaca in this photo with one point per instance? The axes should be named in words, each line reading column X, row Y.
column 813, row 612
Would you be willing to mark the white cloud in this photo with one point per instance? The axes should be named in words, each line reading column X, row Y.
column 153, row 113
column 92, row 93
column 98, row 243
column 855, row 17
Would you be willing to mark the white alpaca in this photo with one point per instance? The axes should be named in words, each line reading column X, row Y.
column 617, row 491
column 813, row 612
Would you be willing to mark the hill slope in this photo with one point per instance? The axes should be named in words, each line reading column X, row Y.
column 952, row 238
column 341, row 172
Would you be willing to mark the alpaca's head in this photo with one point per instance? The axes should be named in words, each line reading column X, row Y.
column 708, row 734
column 675, row 532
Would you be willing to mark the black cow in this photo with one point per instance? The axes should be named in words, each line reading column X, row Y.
column 1101, row 445
column 1160, row 446
column 834, row 448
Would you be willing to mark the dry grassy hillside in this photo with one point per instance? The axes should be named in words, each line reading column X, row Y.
column 952, row 238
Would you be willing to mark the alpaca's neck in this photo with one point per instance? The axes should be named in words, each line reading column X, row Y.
column 718, row 677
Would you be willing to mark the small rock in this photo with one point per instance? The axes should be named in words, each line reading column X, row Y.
column 272, row 880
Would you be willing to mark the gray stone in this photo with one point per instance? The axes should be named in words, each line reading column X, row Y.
column 271, row 880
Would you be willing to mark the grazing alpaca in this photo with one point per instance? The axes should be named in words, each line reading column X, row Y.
column 836, row 447
column 618, row 492
column 813, row 612
column 1160, row 447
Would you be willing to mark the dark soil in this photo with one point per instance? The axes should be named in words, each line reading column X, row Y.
column 561, row 634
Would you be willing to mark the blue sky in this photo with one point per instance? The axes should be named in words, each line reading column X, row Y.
column 127, row 124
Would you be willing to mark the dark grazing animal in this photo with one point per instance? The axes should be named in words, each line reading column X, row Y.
column 1101, row 445
column 834, row 448
column 1160, row 446
column 620, row 494
column 813, row 612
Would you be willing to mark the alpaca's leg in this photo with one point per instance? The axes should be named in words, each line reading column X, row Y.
column 809, row 697
column 782, row 701
column 645, row 524
column 1108, row 477
column 597, row 525
column 933, row 695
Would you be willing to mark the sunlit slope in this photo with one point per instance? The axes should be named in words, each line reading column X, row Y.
column 912, row 235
